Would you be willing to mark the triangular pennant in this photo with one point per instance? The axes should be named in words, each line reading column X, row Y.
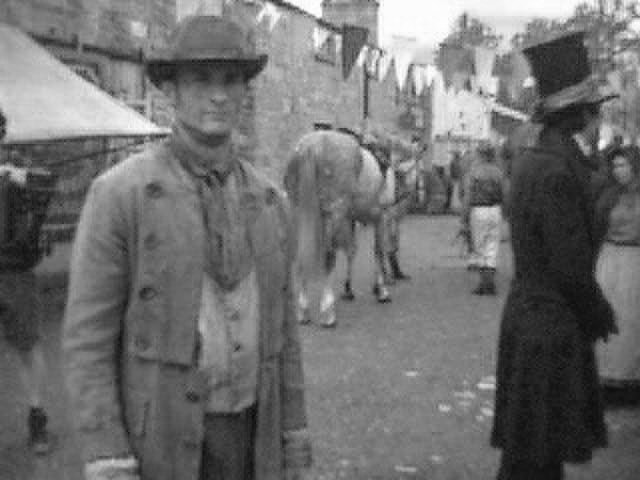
column 270, row 11
column 372, row 62
column 383, row 65
column 402, row 62
column 362, row 56
column 419, row 79
column 430, row 74
column 353, row 39
column 338, row 39
column 320, row 36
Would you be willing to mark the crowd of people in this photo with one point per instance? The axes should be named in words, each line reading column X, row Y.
column 180, row 337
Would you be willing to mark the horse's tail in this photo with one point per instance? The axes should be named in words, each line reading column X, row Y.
column 301, row 185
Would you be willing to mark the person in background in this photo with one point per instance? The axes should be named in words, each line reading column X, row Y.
column 21, row 249
column 548, row 405
column 618, row 272
column 180, row 339
column 482, row 215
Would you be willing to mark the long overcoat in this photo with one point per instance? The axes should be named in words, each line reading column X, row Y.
column 548, row 404
column 129, row 336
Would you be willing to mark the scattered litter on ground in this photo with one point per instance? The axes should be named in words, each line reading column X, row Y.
column 444, row 408
column 437, row 459
column 487, row 412
column 411, row 374
column 405, row 469
column 467, row 394
column 487, row 383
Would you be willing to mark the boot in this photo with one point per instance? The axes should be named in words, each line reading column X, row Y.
column 38, row 434
column 396, row 272
column 348, row 291
column 487, row 285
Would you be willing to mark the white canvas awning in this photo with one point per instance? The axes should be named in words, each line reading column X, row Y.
column 45, row 101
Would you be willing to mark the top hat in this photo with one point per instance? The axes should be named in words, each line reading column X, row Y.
column 206, row 38
column 563, row 75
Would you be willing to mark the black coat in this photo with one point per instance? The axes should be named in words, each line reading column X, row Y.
column 548, row 401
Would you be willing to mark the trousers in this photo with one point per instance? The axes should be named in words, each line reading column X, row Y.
column 228, row 448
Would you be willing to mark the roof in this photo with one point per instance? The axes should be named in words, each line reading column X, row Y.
column 45, row 101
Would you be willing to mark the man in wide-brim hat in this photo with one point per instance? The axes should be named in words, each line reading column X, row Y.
column 182, row 356
column 548, row 409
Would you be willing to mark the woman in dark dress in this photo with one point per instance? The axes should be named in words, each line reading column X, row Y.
column 548, row 402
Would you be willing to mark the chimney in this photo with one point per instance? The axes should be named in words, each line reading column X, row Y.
column 360, row 13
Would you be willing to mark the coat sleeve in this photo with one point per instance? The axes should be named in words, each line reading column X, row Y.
column 297, row 449
column 571, row 253
column 92, row 325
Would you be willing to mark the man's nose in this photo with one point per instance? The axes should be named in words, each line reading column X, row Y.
column 217, row 93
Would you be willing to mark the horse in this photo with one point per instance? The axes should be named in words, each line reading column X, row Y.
column 332, row 182
column 395, row 200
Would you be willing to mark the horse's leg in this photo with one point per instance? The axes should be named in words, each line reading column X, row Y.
column 328, row 301
column 380, row 289
column 302, row 310
column 350, row 252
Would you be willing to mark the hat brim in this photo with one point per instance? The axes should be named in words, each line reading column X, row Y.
column 160, row 70
column 584, row 93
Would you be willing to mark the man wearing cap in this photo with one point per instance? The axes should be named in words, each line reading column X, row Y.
column 482, row 216
column 182, row 356
column 548, row 409
column 21, row 249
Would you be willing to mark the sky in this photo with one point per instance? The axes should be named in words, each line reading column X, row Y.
column 431, row 20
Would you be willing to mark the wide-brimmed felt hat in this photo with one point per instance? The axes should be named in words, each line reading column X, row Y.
column 563, row 75
column 206, row 38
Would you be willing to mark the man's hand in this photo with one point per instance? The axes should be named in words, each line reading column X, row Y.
column 112, row 469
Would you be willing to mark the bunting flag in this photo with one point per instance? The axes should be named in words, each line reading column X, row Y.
column 270, row 11
column 383, row 65
column 373, row 60
column 431, row 72
column 338, row 39
column 402, row 61
column 419, row 80
column 320, row 36
column 362, row 56
column 353, row 39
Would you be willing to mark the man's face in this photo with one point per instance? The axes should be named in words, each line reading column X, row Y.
column 208, row 98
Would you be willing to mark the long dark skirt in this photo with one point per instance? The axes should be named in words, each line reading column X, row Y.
column 548, row 400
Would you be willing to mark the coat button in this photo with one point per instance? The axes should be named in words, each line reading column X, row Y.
column 142, row 343
column 151, row 241
column 153, row 190
column 237, row 346
column 147, row 293
column 193, row 396
column 190, row 444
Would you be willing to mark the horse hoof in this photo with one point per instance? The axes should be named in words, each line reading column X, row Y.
column 384, row 299
column 349, row 296
column 332, row 324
